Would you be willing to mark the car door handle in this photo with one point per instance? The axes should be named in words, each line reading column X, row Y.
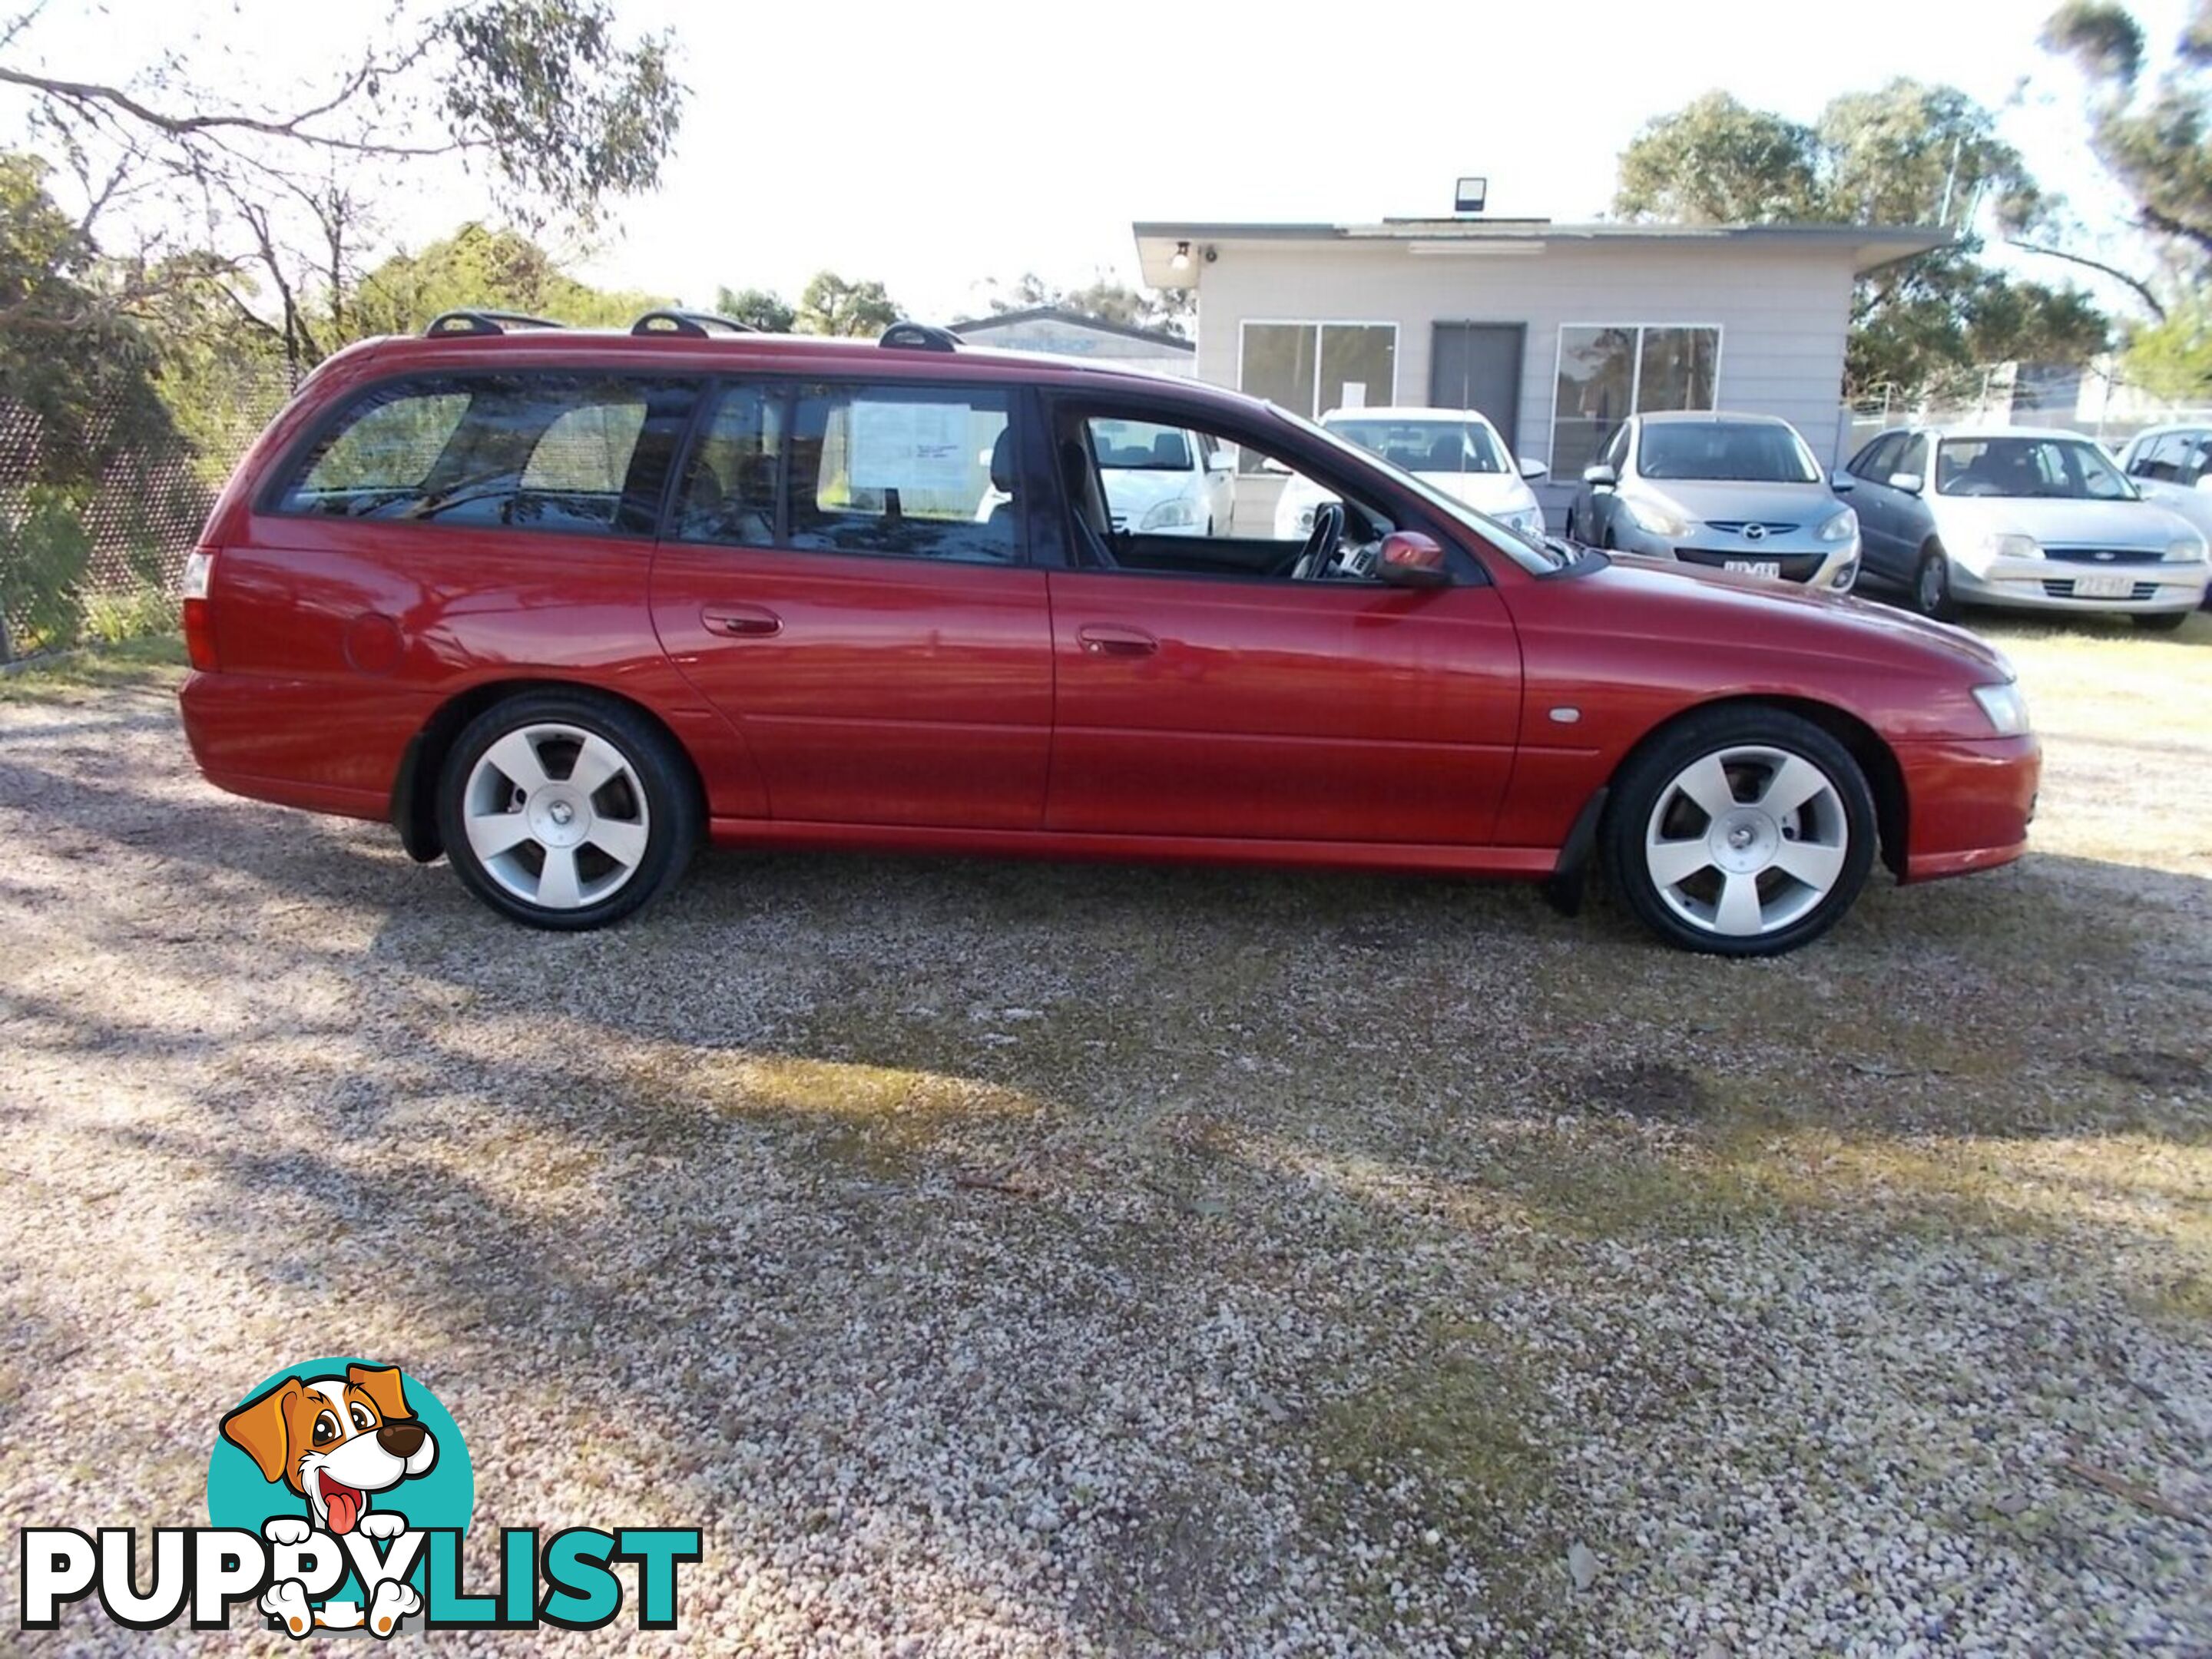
column 741, row 621
column 1097, row 640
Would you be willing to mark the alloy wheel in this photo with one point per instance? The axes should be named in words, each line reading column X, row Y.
column 556, row 816
column 1746, row 840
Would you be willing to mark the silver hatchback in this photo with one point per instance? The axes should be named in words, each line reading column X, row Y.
column 1737, row 492
column 2025, row 518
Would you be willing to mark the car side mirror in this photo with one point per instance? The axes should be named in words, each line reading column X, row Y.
column 1219, row 461
column 1269, row 464
column 1841, row 481
column 2204, row 481
column 1410, row 559
column 1532, row 469
column 1910, row 483
column 1600, row 477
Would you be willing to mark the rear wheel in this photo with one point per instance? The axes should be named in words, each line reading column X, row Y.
column 2163, row 622
column 566, row 811
column 1931, row 585
column 1743, row 832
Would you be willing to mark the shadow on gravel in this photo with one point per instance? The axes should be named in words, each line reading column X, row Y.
column 937, row 1174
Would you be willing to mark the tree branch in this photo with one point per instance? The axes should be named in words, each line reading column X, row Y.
column 89, row 96
column 2141, row 288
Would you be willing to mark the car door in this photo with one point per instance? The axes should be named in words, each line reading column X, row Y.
column 1604, row 503
column 833, row 580
column 1193, row 702
column 1874, row 501
column 1911, row 517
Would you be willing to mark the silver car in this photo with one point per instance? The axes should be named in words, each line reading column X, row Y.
column 1741, row 492
column 2027, row 519
column 2172, row 466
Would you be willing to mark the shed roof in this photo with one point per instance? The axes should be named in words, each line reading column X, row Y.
column 1158, row 337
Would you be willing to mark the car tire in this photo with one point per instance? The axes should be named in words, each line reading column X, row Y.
column 544, row 847
column 1931, row 585
column 2163, row 622
column 1740, row 876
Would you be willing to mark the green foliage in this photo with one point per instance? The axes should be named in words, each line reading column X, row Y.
column 769, row 313
column 2153, row 133
column 1715, row 161
column 2172, row 358
column 1907, row 154
column 44, row 549
column 65, row 356
column 477, row 267
column 830, row 305
column 144, row 611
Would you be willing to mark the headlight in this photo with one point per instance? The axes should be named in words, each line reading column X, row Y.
column 1841, row 528
column 2184, row 550
column 1164, row 515
column 2006, row 707
column 1659, row 521
column 2010, row 544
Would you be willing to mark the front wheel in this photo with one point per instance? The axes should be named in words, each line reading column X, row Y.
column 1743, row 832
column 566, row 811
column 1931, row 587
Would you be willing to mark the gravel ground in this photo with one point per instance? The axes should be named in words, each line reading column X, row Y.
column 1005, row 1259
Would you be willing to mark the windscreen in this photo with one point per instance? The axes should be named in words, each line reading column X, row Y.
column 1739, row 452
column 1425, row 446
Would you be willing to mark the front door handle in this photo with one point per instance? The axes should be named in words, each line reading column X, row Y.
column 741, row 621
column 1100, row 640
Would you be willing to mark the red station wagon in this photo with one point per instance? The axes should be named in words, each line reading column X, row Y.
column 558, row 603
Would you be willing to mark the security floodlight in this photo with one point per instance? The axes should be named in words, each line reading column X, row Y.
column 1470, row 195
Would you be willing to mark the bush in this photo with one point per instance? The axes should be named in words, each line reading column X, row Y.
column 141, row 613
column 43, row 554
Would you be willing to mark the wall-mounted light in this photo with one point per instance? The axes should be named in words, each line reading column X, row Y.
column 1182, row 260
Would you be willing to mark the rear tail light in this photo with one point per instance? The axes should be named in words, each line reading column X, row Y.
column 199, row 620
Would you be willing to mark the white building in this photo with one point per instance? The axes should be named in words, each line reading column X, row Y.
column 1557, row 333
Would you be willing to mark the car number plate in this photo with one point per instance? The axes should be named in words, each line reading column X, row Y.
column 2114, row 584
column 1755, row 566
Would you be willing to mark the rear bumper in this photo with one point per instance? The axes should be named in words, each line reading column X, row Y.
column 299, row 743
column 1968, row 802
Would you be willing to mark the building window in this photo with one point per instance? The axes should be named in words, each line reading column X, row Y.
column 1608, row 374
column 1310, row 368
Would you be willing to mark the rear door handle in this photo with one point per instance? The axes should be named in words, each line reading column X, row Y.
column 1100, row 640
column 741, row 621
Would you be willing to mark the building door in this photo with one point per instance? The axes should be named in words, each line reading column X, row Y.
column 1478, row 365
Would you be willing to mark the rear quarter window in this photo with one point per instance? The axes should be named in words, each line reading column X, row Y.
column 583, row 453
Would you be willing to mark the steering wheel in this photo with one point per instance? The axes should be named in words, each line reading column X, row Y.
column 1320, row 551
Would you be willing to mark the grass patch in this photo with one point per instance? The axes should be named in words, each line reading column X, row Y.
column 70, row 676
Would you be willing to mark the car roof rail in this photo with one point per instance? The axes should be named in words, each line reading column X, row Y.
column 904, row 336
column 485, row 322
column 693, row 324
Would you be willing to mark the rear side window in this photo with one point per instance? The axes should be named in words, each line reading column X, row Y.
column 896, row 469
column 581, row 453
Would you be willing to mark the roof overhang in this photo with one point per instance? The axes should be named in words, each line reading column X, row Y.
column 1867, row 247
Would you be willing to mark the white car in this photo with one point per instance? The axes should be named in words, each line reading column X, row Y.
column 1456, row 451
column 2172, row 466
column 1163, row 480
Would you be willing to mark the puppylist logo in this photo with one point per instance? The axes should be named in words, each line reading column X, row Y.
column 339, row 1492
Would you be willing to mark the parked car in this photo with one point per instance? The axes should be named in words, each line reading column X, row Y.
column 1738, row 492
column 2022, row 517
column 2172, row 466
column 1162, row 481
column 560, row 604
column 1456, row 451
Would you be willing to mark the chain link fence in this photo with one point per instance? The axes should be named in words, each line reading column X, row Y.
column 108, row 553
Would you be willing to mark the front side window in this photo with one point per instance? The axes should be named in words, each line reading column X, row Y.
column 1417, row 445
column 899, row 471
column 1876, row 460
column 2065, row 468
column 1734, row 451
column 1607, row 373
column 1310, row 368
column 575, row 452
column 1912, row 456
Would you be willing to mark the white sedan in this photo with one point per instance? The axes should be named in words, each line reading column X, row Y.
column 1456, row 451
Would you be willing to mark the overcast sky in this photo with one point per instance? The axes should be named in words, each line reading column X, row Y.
column 937, row 146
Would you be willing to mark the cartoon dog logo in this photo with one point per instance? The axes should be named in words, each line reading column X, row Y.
column 337, row 1441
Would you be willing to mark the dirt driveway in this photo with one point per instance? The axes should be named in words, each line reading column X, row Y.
column 995, row 1258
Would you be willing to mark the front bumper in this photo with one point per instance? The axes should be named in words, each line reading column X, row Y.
column 1968, row 802
column 2051, row 585
column 1804, row 561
